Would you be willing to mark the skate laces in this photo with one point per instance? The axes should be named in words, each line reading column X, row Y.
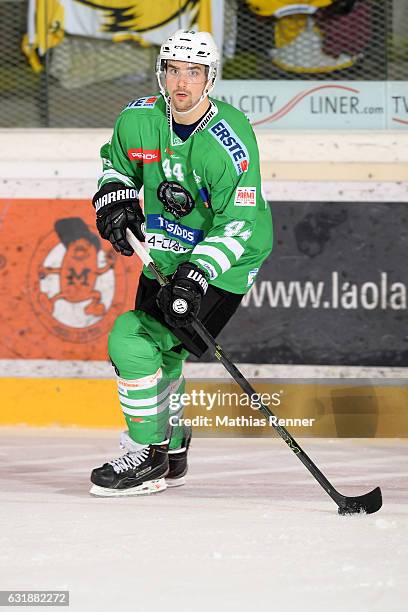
column 130, row 460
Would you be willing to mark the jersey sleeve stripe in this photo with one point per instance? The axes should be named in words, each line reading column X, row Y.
column 109, row 175
column 216, row 254
column 231, row 243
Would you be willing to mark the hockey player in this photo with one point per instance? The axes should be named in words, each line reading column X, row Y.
column 207, row 227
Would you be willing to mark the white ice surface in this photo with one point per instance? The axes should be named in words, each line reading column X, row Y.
column 250, row 530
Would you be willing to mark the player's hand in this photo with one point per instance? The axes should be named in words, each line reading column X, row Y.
column 180, row 299
column 117, row 208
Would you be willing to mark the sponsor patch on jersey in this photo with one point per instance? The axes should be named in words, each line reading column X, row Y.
column 147, row 156
column 209, row 268
column 251, row 276
column 162, row 243
column 235, row 148
column 245, row 196
column 176, row 199
column 147, row 102
column 175, row 230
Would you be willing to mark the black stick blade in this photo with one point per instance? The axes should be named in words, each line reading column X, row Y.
column 369, row 503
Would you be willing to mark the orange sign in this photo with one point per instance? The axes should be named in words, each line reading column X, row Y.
column 62, row 285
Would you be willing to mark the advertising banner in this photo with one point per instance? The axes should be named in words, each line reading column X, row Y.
column 320, row 105
column 62, row 286
column 397, row 104
column 118, row 20
column 332, row 292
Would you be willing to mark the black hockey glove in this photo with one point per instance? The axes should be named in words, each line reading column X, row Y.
column 117, row 207
column 180, row 300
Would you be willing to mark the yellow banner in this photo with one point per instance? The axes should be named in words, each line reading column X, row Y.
column 141, row 20
column 220, row 409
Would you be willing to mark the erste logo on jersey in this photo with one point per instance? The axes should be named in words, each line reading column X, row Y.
column 183, row 232
column 147, row 156
column 148, row 102
column 235, row 148
column 245, row 196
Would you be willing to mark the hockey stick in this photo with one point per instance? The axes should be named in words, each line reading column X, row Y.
column 369, row 503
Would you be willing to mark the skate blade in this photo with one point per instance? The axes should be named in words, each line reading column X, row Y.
column 147, row 488
column 175, row 482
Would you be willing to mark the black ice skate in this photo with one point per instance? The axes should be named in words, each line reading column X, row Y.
column 178, row 461
column 140, row 471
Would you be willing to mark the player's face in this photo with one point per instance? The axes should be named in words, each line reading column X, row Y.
column 185, row 83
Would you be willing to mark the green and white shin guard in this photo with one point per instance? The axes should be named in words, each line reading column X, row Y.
column 149, row 377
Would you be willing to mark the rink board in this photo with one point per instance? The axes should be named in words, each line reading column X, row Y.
column 333, row 292
column 342, row 408
column 63, row 286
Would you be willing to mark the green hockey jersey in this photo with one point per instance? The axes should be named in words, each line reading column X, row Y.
column 202, row 197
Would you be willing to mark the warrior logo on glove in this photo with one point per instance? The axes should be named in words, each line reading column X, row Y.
column 176, row 200
column 117, row 208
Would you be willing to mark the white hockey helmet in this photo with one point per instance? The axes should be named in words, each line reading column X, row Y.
column 192, row 47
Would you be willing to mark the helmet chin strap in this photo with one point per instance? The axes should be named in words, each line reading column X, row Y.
column 203, row 96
